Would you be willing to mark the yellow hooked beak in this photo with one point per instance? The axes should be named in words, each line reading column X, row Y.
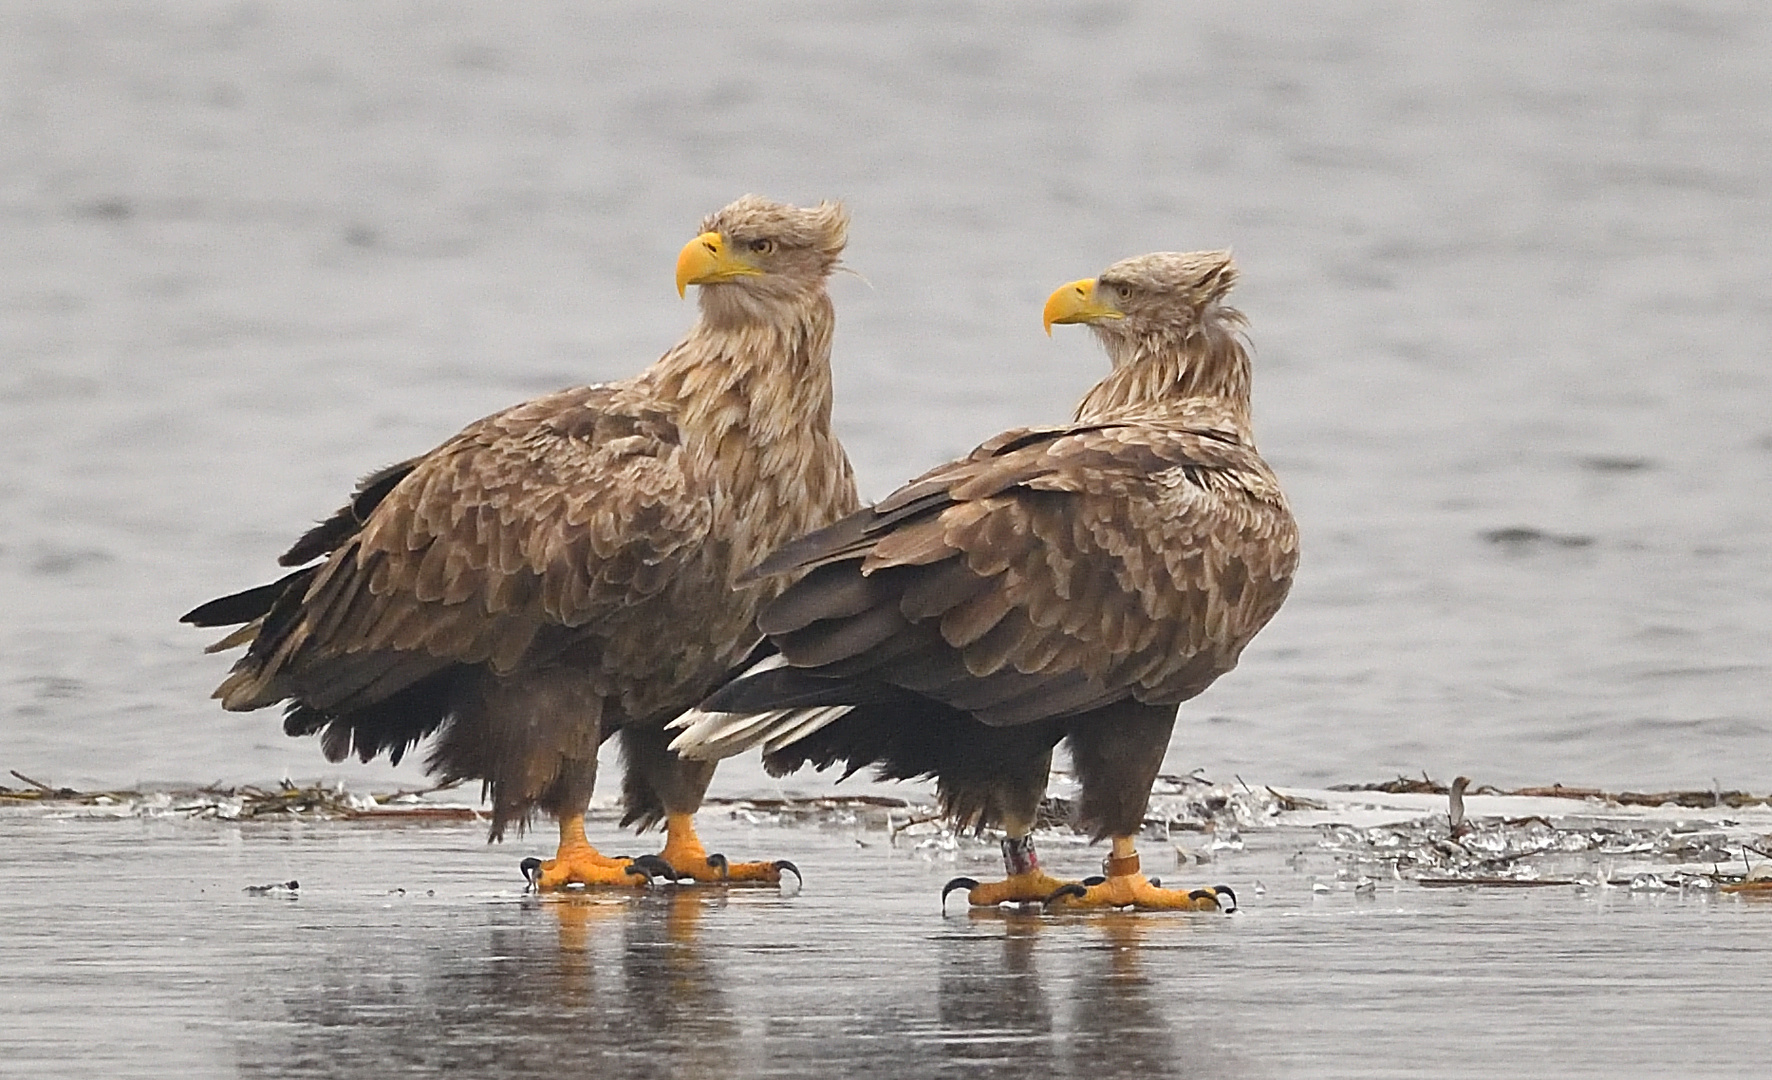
column 1078, row 302
column 707, row 260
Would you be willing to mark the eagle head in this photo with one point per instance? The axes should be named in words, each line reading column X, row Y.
column 1166, row 291
column 764, row 250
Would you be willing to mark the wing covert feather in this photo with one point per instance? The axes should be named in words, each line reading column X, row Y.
column 558, row 511
column 1121, row 559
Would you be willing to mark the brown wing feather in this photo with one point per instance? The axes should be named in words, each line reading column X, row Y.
column 559, row 511
column 858, row 533
column 329, row 535
column 1118, row 559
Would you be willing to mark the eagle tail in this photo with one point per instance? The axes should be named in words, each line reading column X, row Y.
column 709, row 736
column 769, row 704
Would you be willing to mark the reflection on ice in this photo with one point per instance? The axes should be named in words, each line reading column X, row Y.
column 575, row 985
column 409, row 950
column 696, row 982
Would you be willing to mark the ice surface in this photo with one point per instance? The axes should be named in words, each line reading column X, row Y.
column 157, row 945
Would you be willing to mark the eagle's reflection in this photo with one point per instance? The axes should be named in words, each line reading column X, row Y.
column 1062, row 998
column 646, row 996
column 994, row 1013
column 693, row 982
column 1117, row 1024
column 609, row 986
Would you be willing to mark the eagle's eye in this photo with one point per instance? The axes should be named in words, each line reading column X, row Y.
column 762, row 246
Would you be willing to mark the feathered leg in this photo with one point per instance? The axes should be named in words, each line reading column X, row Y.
column 1010, row 799
column 1117, row 752
column 533, row 741
column 659, row 784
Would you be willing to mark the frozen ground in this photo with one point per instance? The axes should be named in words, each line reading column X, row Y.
column 135, row 948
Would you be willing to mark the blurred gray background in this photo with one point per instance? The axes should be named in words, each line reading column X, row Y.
column 1506, row 268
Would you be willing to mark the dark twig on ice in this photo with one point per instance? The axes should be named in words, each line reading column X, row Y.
column 1495, row 882
column 314, row 801
column 40, row 790
column 1296, row 802
column 38, row 784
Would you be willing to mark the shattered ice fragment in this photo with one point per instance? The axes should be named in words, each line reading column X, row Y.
column 1490, row 841
column 1646, row 882
column 1228, row 840
column 1365, row 887
column 938, row 846
column 1319, row 886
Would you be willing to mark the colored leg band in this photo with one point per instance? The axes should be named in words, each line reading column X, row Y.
column 1019, row 856
column 1116, row 866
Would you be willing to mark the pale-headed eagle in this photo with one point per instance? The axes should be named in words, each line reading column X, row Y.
column 1071, row 583
column 568, row 568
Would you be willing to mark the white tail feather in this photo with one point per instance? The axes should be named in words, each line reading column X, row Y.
column 709, row 736
column 798, row 724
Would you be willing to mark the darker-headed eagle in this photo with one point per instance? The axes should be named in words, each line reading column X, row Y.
column 568, row 568
column 1057, row 584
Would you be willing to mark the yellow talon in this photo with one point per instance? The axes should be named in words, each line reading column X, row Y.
column 1136, row 891
column 689, row 859
column 1125, row 887
column 1032, row 887
column 578, row 863
column 1025, row 882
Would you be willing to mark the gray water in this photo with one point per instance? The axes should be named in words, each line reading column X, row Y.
column 1506, row 269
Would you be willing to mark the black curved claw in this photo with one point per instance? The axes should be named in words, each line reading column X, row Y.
column 653, row 866
column 1073, row 888
column 1214, row 894
column 958, row 883
column 1156, row 883
column 782, row 866
column 718, row 863
column 1095, row 879
column 531, row 868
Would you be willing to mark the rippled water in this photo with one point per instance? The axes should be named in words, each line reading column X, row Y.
column 1505, row 264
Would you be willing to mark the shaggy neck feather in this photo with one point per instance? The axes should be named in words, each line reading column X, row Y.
column 1202, row 369
column 754, row 395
